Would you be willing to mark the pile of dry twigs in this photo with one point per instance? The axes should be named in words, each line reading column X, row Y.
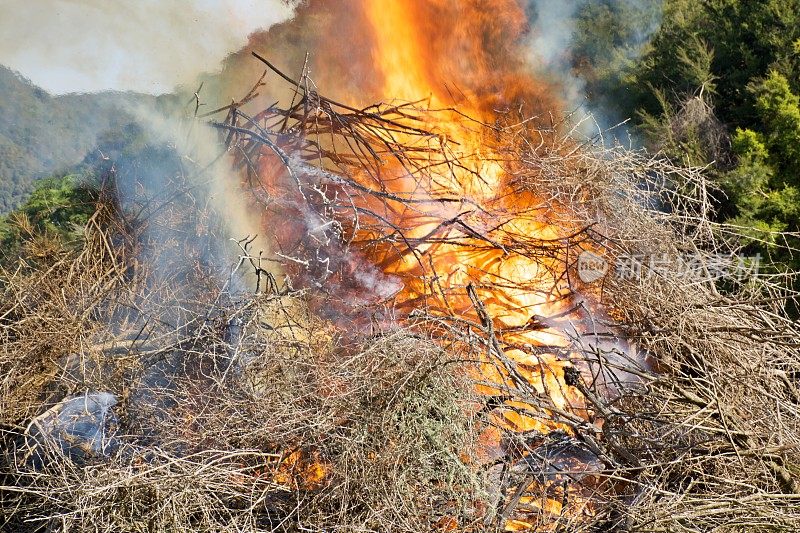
column 260, row 412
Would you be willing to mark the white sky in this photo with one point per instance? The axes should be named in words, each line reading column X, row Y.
column 142, row 45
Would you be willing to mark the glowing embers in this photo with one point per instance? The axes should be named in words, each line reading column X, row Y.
column 552, row 479
column 299, row 469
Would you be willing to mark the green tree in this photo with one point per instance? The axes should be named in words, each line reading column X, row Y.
column 748, row 39
column 56, row 212
column 718, row 85
column 765, row 185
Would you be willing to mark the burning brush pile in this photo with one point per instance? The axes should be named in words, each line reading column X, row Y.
column 457, row 325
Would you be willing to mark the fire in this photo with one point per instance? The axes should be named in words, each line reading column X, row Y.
column 513, row 287
column 451, row 223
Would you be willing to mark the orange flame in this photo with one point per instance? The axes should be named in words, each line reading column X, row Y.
column 414, row 53
column 431, row 49
column 464, row 59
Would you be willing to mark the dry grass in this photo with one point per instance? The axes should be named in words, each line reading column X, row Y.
column 712, row 428
column 252, row 415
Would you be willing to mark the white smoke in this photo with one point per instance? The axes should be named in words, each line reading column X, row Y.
column 552, row 43
column 552, row 35
column 132, row 45
column 213, row 183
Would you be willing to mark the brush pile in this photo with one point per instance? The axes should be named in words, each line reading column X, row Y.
column 137, row 398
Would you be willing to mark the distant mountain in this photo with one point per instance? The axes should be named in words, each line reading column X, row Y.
column 41, row 134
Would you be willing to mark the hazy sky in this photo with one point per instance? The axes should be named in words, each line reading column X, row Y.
column 142, row 45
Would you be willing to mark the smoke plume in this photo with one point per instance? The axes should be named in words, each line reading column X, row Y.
column 147, row 45
column 614, row 45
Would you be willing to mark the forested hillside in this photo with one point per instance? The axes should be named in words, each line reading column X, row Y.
column 58, row 206
column 41, row 134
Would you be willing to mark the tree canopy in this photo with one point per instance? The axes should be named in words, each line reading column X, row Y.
column 718, row 85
